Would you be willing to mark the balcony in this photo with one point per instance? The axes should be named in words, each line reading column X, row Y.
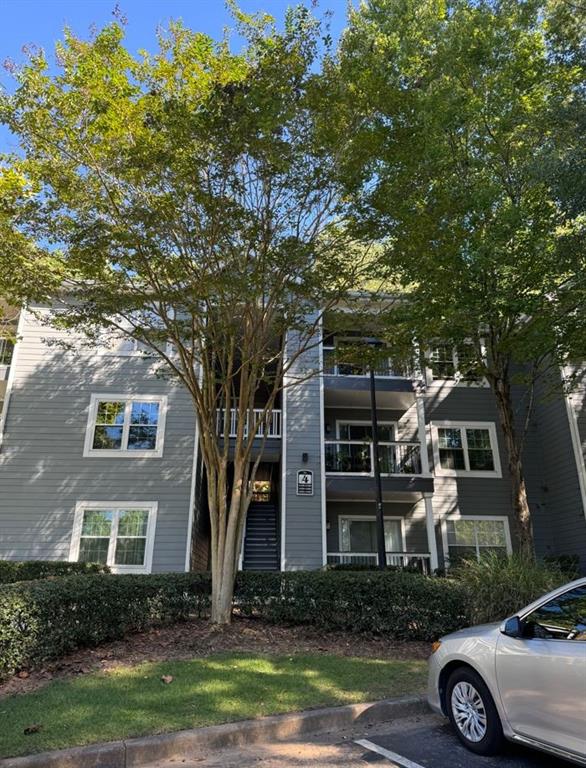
column 348, row 384
column 417, row 560
column 355, row 457
column 386, row 369
column 270, row 429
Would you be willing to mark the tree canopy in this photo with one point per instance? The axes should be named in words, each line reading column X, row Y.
column 472, row 117
column 188, row 199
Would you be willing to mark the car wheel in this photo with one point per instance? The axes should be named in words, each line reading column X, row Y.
column 472, row 712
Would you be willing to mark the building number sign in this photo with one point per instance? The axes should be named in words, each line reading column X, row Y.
column 305, row 482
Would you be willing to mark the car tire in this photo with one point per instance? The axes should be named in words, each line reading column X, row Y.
column 472, row 712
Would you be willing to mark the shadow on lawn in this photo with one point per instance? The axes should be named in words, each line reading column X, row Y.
column 128, row 702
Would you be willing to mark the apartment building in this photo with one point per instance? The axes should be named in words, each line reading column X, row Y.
column 99, row 461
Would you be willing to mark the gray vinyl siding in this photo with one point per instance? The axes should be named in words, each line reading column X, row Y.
column 490, row 496
column 560, row 528
column 43, row 472
column 303, row 525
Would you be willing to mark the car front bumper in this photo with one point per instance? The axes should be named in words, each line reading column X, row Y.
column 433, row 690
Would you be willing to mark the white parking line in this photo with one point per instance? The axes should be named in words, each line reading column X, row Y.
column 398, row 760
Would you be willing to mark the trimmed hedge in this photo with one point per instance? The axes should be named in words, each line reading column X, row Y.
column 27, row 570
column 400, row 605
column 45, row 619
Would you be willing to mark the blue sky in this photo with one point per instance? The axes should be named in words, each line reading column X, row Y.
column 41, row 22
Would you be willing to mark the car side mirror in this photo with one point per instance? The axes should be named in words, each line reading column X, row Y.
column 513, row 627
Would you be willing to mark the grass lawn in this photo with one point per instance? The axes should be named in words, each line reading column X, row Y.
column 133, row 701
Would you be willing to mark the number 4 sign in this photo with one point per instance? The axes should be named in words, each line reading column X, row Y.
column 305, row 482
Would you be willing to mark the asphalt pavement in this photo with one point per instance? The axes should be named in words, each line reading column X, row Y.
column 425, row 741
column 428, row 742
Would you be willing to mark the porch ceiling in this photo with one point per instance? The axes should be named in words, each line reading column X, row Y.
column 354, row 391
column 407, row 489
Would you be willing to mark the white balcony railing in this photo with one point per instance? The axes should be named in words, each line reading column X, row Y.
column 272, row 427
column 356, row 457
column 418, row 560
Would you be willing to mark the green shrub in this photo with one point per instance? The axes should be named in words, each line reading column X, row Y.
column 45, row 619
column 497, row 587
column 569, row 565
column 13, row 570
column 404, row 606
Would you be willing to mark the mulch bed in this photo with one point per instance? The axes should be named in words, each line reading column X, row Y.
column 200, row 638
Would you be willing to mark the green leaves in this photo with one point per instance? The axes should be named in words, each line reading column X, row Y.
column 448, row 168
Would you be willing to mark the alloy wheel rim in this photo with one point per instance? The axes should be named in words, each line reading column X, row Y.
column 469, row 711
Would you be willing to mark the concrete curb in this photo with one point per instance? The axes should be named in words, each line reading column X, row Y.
column 135, row 753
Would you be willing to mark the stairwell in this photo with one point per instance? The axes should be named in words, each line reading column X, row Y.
column 261, row 542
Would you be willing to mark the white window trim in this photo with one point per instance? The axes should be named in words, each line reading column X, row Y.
column 501, row 518
column 457, row 381
column 150, row 506
column 440, row 471
column 88, row 450
column 363, row 518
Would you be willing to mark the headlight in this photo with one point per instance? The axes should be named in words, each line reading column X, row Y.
column 436, row 646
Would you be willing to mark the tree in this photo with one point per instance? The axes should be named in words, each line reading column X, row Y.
column 187, row 200
column 461, row 168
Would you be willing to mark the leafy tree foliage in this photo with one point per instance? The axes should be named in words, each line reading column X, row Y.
column 186, row 199
column 465, row 168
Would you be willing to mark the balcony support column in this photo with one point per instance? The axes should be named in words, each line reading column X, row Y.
column 430, row 526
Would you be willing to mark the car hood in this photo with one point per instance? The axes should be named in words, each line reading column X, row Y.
column 480, row 630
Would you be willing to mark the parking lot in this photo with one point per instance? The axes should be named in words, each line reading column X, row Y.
column 425, row 741
column 428, row 742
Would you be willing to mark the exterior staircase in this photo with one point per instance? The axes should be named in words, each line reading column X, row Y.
column 261, row 542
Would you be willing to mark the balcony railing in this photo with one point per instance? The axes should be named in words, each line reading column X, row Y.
column 356, row 457
column 417, row 560
column 386, row 368
column 272, row 428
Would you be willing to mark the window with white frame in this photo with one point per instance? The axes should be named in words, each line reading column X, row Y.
column 462, row 448
column 117, row 534
column 358, row 534
column 471, row 537
column 119, row 425
column 450, row 362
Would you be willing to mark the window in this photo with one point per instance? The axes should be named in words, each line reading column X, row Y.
column 442, row 362
column 563, row 618
column 358, row 534
column 120, row 535
column 467, row 537
column 453, row 363
column 6, row 351
column 466, row 449
column 123, row 426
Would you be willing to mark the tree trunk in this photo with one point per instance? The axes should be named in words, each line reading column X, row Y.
column 502, row 390
column 227, row 522
column 222, row 594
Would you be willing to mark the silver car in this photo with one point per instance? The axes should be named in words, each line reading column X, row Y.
column 523, row 680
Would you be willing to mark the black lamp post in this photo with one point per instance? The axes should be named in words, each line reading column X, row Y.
column 380, row 520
